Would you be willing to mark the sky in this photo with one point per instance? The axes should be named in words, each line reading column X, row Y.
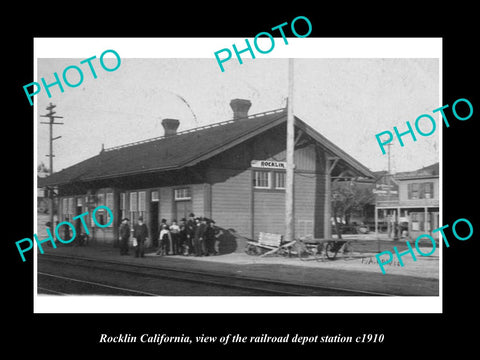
column 347, row 100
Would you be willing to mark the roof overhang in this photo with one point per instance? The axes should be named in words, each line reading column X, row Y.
column 347, row 165
column 352, row 167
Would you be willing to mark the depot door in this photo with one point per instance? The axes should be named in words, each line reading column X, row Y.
column 154, row 231
column 182, row 209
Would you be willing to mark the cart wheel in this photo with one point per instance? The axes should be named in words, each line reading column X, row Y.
column 347, row 249
column 317, row 252
column 251, row 250
column 301, row 250
column 331, row 254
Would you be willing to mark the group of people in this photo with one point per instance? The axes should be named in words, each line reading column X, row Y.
column 195, row 236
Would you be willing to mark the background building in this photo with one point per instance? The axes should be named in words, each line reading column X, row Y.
column 416, row 206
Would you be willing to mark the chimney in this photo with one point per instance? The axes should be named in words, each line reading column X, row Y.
column 170, row 126
column 240, row 108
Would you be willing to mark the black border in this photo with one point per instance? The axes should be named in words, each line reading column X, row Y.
column 61, row 334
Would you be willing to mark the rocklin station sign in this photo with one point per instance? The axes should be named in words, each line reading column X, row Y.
column 269, row 164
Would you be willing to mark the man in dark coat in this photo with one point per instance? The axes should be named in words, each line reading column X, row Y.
column 199, row 238
column 190, row 232
column 140, row 232
column 124, row 233
column 182, row 237
column 210, row 237
column 66, row 231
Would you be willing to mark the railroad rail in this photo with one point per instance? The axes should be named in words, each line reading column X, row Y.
column 113, row 289
column 253, row 285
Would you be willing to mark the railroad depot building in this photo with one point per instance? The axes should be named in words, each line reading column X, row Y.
column 232, row 172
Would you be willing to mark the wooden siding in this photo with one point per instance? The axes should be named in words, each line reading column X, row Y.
column 269, row 212
column 304, row 158
column 271, row 146
column 231, row 200
column 165, row 206
column 269, row 208
column 207, row 198
column 198, row 201
column 267, row 146
column 235, row 204
column 308, row 205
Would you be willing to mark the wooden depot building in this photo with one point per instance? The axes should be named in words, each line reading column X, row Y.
column 232, row 172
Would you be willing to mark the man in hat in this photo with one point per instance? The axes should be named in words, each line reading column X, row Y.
column 124, row 233
column 175, row 235
column 164, row 239
column 210, row 237
column 190, row 228
column 140, row 232
column 199, row 238
column 182, row 237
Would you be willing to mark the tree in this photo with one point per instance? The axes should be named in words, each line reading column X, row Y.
column 42, row 170
column 348, row 197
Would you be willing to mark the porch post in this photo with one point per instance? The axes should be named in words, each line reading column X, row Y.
column 328, row 195
column 327, row 227
column 425, row 218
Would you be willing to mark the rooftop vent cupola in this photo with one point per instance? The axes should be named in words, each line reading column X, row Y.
column 170, row 126
column 240, row 108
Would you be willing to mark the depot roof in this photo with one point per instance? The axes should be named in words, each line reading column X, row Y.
column 186, row 149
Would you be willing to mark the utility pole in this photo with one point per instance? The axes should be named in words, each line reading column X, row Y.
column 52, row 122
column 289, row 216
column 388, row 171
column 396, row 216
column 389, row 184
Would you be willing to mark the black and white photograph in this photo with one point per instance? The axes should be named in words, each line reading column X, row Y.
column 169, row 177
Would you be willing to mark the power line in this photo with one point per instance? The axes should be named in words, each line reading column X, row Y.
column 52, row 122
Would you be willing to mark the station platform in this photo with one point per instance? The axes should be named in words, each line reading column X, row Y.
column 361, row 259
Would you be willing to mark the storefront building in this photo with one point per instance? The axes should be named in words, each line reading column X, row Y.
column 416, row 207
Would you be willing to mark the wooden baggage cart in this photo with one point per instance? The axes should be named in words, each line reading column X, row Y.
column 268, row 244
column 321, row 248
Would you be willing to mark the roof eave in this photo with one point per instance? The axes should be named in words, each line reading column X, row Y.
column 356, row 166
column 359, row 168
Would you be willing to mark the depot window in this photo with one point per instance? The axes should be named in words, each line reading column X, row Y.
column 182, row 194
column 261, row 179
column 103, row 216
column 280, row 180
column 68, row 208
column 137, row 205
column 109, row 204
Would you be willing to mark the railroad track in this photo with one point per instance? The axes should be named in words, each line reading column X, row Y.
column 87, row 287
column 238, row 283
